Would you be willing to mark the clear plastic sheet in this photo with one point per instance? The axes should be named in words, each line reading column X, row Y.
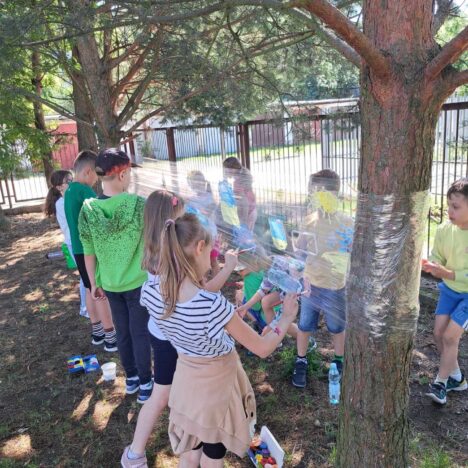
column 388, row 243
column 299, row 238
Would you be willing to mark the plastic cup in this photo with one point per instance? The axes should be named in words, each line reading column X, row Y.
column 109, row 371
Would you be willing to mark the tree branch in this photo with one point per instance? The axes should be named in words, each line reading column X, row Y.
column 445, row 8
column 336, row 21
column 448, row 54
column 342, row 47
column 458, row 78
column 61, row 110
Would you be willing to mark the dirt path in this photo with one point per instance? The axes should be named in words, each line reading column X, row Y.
column 49, row 419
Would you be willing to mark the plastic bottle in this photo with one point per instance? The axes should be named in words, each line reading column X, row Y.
column 334, row 384
column 284, row 281
column 52, row 255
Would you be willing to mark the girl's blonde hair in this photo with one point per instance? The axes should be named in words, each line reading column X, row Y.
column 160, row 206
column 175, row 263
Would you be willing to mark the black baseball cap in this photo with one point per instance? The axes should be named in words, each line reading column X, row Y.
column 111, row 161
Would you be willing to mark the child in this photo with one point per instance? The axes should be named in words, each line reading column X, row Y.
column 243, row 190
column 203, row 201
column 111, row 230
column 76, row 193
column 54, row 206
column 326, row 242
column 449, row 262
column 219, row 411
column 160, row 206
column 267, row 293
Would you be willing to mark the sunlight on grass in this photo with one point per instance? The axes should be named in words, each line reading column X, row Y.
column 17, row 447
column 82, row 407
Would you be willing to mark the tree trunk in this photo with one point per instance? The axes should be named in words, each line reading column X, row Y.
column 399, row 115
column 39, row 119
column 85, row 133
column 98, row 82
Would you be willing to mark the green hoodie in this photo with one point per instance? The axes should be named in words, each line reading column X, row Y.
column 112, row 230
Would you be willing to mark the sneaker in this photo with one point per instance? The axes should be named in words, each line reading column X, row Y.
column 126, row 462
column 339, row 365
column 132, row 386
column 300, row 373
column 455, row 385
column 97, row 339
column 110, row 347
column 145, row 393
column 437, row 393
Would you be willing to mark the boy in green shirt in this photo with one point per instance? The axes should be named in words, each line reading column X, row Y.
column 77, row 192
column 111, row 230
column 449, row 262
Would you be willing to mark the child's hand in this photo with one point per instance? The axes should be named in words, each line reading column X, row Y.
column 267, row 329
column 290, row 306
column 438, row 271
column 230, row 259
column 241, row 310
column 97, row 293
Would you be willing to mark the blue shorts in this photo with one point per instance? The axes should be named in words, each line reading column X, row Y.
column 454, row 304
column 333, row 305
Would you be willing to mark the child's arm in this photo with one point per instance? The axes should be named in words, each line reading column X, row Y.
column 264, row 346
column 96, row 292
column 216, row 283
column 257, row 297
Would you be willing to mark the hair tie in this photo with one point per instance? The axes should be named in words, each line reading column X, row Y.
column 169, row 222
column 175, row 201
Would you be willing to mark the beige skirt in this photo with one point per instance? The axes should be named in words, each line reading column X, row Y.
column 211, row 401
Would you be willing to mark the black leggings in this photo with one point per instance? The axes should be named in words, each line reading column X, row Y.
column 213, row 451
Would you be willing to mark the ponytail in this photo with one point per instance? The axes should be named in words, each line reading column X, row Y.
column 175, row 264
column 56, row 179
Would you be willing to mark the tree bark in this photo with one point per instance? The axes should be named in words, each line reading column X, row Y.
column 85, row 133
column 39, row 119
column 399, row 115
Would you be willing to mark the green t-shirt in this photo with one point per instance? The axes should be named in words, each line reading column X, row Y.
column 75, row 195
column 252, row 282
column 451, row 250
column 112, row 230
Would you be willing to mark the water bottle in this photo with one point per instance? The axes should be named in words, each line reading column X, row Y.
column 52, row 255
column 334, row 384
column 284, row 281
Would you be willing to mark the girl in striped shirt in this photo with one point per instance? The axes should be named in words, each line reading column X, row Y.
column 212, row 403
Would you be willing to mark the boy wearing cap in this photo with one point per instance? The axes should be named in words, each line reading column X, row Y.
column 77, row 192
column 111, row 230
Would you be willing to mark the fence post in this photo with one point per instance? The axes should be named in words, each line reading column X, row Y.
column 171, row 149
column 244, row 145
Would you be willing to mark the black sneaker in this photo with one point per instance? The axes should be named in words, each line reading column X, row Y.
column 339, row 365
column 299, row 379
column 97, row 339
column 110, row 347
column 437, row 393
column 455, row 385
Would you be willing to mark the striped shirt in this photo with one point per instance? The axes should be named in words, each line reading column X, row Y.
column 196, row 327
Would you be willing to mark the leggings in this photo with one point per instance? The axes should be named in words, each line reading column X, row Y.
column 213, row 451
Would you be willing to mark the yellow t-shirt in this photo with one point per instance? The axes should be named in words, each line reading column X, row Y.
column 327, row 240
column 451, row 250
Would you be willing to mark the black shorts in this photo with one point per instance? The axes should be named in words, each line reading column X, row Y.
column 80, row 263
column 165, row 361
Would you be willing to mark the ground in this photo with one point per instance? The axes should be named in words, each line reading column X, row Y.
column 50, row 419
